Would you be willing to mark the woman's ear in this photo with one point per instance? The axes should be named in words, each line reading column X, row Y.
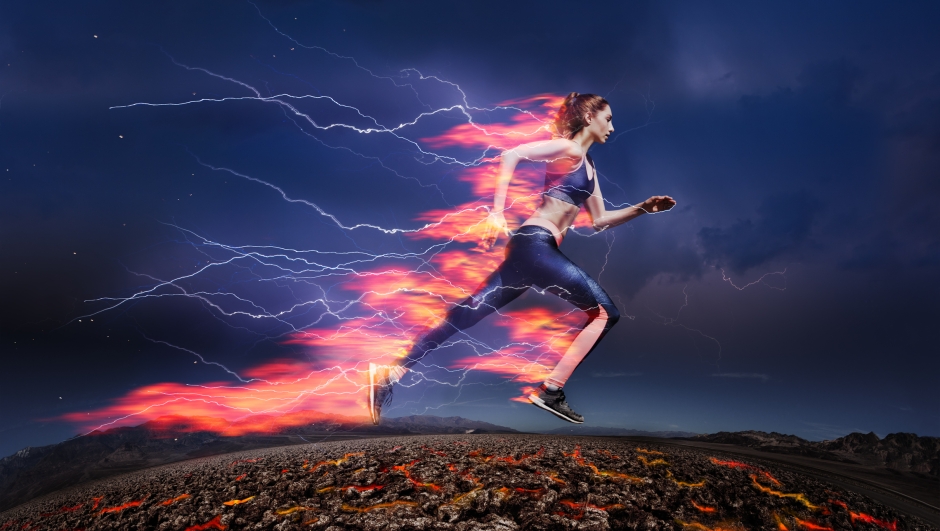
column 588, row 118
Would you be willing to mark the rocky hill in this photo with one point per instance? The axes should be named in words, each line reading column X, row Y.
column 904, row 452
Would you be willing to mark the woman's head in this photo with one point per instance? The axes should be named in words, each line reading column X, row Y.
column 577, row 112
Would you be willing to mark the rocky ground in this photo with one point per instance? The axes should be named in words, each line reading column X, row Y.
column 461, row 482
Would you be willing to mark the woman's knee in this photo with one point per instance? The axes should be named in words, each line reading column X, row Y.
column 613, row 315
column 606, row 311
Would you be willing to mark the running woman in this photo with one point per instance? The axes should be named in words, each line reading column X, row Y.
column 532, row 254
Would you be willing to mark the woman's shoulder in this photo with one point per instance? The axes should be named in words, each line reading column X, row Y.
column 565, row 147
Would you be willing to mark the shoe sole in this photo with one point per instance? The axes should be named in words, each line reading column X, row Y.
column 372, row 393
column 538, row 402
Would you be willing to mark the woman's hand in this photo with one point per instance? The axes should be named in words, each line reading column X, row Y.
column 495, row 224
column 657, row 203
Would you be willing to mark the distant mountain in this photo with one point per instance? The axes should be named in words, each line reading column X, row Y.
column 904, row 452
column 32, row 472
column 617, row 432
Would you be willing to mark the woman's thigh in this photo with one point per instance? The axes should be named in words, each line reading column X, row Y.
column 557, row 274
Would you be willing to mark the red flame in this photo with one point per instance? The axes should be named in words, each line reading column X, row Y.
column 120, row 508
column 869, row 519
column 513, row 461
column 703, row 508
column 215, row 523
column 404, row 469
column 435, row 452
column 806, row 524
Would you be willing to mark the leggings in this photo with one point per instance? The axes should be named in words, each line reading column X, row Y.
column 532, row 259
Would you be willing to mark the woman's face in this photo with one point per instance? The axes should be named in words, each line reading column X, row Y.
column 601, row 125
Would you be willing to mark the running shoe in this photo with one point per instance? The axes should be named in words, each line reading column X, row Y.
column 380, row 390
column 554, row 402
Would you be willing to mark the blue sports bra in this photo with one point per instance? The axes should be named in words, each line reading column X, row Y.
column 573, row 187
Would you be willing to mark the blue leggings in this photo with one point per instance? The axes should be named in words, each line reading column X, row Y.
column 532, row 259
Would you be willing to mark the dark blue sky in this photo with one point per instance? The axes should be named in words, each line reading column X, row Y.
column 796, row 137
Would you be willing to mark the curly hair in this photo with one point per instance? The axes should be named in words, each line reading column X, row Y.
column 570, row 117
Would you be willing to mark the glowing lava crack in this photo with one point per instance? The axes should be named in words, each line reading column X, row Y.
column 461, row 483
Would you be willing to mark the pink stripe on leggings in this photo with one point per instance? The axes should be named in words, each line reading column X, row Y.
column 578, row 349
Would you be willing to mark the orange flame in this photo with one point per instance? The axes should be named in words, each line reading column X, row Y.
column 283, row 512
column 286, row 393
column 576, row 455
column 649, row 452
column 215, row 523
column 806, row 524
column 796, row 496
column 703, row 508
column 738, row 464
column 513, row 461
column 404, row 469
column 171, row 501
column 238, row 502
column 335, row 462
column 654, row 462
column 435, row 452
column 685, row 483
column 120, row 508
column 572, row 505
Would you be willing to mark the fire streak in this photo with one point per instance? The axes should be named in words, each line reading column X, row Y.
column 171, row 501
column 238, row 502
column 703, row 508
column 796, row 496
column 215, row 523
column 292, row 510
column 404, row 469
column 120, row 508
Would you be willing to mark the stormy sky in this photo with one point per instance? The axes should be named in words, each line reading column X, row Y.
column 792, row 289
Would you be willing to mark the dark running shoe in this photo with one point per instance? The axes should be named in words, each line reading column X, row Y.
column 380, row 390
column 554, row 402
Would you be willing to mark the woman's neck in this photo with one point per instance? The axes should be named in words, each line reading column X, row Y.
column 583, row 139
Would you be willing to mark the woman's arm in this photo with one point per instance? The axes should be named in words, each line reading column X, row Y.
column 603, row 219
column 546, row 151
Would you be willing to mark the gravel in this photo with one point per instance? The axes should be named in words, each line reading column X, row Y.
column 461, row 483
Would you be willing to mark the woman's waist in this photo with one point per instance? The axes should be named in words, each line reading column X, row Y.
column 549, row 225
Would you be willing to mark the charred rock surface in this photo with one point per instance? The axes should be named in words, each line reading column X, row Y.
column 33, row 472
column 463, row 483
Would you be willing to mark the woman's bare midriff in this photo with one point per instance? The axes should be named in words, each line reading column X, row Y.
column 555, row 215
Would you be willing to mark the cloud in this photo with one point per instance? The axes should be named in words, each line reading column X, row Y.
column 783, row 224
column 760, row 376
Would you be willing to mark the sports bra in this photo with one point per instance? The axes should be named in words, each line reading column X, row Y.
column 573, row 187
